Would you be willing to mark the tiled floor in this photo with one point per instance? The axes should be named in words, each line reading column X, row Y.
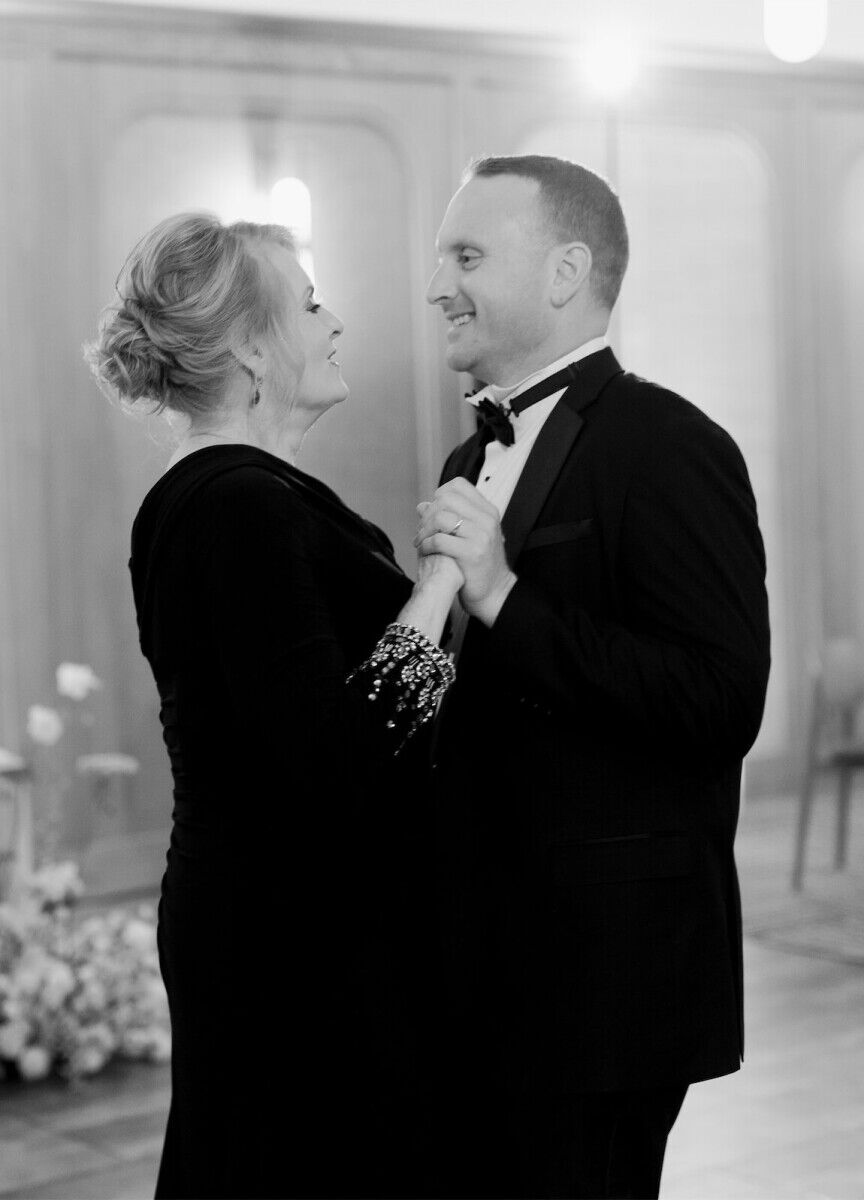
column 98, row 1139
column 789, row 1126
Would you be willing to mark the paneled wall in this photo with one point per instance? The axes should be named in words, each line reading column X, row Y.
column 743, row 191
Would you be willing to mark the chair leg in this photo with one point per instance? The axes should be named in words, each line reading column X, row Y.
column 844, row 790
column 805, row 810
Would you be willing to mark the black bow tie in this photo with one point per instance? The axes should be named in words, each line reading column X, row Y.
column 495, row 418
column 495, row 422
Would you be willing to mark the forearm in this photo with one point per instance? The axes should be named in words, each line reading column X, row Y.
column 427, row 610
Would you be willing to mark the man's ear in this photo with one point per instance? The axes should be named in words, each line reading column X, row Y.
column 572, row 271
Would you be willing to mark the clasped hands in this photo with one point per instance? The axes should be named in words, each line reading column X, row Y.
column 463, row 525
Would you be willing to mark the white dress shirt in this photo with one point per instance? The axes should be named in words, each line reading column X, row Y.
column 503, row 465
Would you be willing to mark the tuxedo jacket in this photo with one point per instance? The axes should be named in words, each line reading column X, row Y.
column 588, row 760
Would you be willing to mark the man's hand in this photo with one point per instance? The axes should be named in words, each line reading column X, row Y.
column 462, row 524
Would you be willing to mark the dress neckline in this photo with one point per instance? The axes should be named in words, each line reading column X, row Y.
column 272, row 461
column 304, row 484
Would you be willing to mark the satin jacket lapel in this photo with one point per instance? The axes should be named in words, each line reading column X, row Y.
column 465, row 461
column 552, row 449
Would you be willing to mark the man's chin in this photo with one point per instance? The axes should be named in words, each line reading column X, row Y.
column 460, row 360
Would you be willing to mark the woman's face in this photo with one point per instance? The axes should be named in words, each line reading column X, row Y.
column 321, row 384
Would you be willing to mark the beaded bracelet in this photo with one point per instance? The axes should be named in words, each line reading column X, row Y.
column 408, row 674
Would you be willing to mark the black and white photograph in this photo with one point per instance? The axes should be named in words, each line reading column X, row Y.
column 431, row 599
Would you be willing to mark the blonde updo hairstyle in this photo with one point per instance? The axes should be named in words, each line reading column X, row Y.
column 191, row 293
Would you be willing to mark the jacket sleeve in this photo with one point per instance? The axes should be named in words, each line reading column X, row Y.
column 686, row 661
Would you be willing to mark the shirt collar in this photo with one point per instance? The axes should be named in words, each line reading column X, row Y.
column 501, row 395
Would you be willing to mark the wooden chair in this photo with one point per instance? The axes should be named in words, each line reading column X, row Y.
column 833, row 744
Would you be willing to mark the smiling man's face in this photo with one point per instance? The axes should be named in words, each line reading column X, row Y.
column 495, row 268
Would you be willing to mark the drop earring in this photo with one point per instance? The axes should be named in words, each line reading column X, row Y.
column 256, row 395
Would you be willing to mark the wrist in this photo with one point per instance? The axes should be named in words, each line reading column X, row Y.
column 487, row 609
column 428, row 607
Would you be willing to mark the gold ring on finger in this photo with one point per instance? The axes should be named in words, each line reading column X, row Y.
column 456, row 527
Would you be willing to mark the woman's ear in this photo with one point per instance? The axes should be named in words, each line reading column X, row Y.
column 572, row 271
column 251, row 359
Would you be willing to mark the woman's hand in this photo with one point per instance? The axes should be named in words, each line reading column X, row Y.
column 440, row 571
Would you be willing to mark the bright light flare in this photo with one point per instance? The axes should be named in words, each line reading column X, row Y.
column 291, row 205
column 795, row 30
column 609, row 66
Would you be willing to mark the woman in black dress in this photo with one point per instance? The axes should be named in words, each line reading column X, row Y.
column 295, row 931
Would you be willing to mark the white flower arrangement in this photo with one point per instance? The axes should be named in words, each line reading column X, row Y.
column 76, row 991
column 76, row 680
column 44, row 725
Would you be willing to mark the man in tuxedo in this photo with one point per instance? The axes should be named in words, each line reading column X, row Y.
column 611, row 674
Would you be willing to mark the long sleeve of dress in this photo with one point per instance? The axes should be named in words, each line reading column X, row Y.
column 280, row 652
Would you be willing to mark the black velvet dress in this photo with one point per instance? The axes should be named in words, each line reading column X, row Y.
column 294, row 929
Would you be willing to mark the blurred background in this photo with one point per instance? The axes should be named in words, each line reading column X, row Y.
column 734, row 133
column 742, row 178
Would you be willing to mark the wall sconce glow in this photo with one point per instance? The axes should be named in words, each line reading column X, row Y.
column 291, row 205
column 795, row 30
column 609, row 66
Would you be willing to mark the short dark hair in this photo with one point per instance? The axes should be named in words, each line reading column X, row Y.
column 580, row 206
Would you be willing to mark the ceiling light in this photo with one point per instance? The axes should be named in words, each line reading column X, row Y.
column 609, row 66
column 795, row 30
